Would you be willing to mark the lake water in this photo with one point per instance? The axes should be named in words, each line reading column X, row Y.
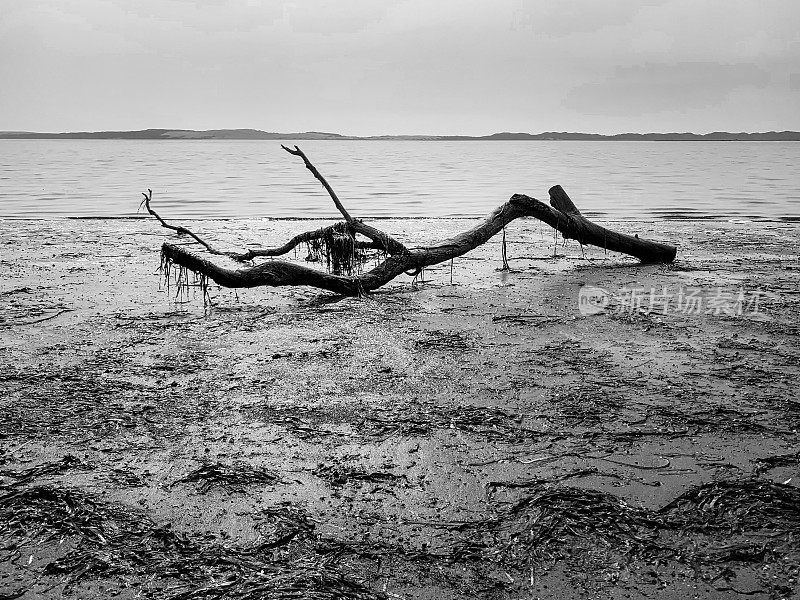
column 213, row 179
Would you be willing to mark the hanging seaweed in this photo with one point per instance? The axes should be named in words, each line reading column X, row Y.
column 339, row 250
column 179, row 278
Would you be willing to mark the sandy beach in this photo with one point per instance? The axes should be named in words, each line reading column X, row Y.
column 469, row 435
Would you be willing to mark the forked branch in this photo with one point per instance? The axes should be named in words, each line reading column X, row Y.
column 339, row 239
column 251, row 253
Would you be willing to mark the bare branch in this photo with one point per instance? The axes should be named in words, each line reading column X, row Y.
column 574, row 226
column 148, row 197
column 279, row 273
column 321, row 179
column 340, row 243
column 391, row 245
column 252, row 253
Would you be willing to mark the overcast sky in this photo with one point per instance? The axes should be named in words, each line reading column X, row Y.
column 366, row 67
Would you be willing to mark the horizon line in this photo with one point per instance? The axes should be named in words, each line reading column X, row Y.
column 250, row 133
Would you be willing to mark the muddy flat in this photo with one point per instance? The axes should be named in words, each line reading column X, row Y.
column 469, row 433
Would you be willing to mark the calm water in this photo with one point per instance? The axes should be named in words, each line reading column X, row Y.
column 204, row 179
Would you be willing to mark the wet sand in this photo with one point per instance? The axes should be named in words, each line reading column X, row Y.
column 480, row 438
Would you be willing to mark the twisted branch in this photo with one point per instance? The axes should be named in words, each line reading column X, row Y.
column 562, row 215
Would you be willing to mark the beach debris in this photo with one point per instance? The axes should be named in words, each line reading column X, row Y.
column 289, row 559
column 547, row 523
column 539, row 482
column 422, row 418
column 284, row 523
column 124, row 477
column 416, row 418
column 93, row 401
column 736, row 506
column 25, row 306
column 338, row 475
column 112, row 540
column 25, row 476
column 444, row 340
column 345, row 254
column 234, row 477
column 778, row 460
column 725, row 523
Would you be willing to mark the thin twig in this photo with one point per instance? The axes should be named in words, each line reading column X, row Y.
column 252, row 253
column 322, row 180
column 176, row 228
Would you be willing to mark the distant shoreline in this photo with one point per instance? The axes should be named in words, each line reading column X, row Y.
column 255, row 134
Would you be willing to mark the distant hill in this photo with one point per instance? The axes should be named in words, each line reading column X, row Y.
column 255, row 134
column 172, row 134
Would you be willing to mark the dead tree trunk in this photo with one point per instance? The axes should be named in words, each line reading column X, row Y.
column 578, row 227
column 343, row 250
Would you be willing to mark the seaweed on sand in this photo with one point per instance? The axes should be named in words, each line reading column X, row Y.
column 234, row 477
column 736, row 506
column 422, row 418
column 583, row 405
column 106, row 540
column 92, row 402
column 719, row 419
column 290, row 560
column 284, row 524
column 598, row 536
column 305, row 579
column 444, row 340
column 717, row 523
column 411, row 419
column 540, row 526
column 24, row 476
column 779, row 460
column 337, row 475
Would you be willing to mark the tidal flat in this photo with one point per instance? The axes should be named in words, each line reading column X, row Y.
column 468, row 433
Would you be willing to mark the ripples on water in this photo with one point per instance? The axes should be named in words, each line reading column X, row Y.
column 213, row 179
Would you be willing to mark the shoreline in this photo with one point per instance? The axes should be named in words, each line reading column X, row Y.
column 600, row 217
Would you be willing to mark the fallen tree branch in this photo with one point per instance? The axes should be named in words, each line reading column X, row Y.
column 252, row 253
column 579, row 228
column 340, row 242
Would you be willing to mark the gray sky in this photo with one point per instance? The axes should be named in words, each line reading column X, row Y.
column 408, row 66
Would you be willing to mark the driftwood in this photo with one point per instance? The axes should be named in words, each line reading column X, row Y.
column 345, row 253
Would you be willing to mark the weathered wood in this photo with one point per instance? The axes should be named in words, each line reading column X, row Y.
column 560, row 201
column 563, row 215
column 578, row 227
column 273, row 273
